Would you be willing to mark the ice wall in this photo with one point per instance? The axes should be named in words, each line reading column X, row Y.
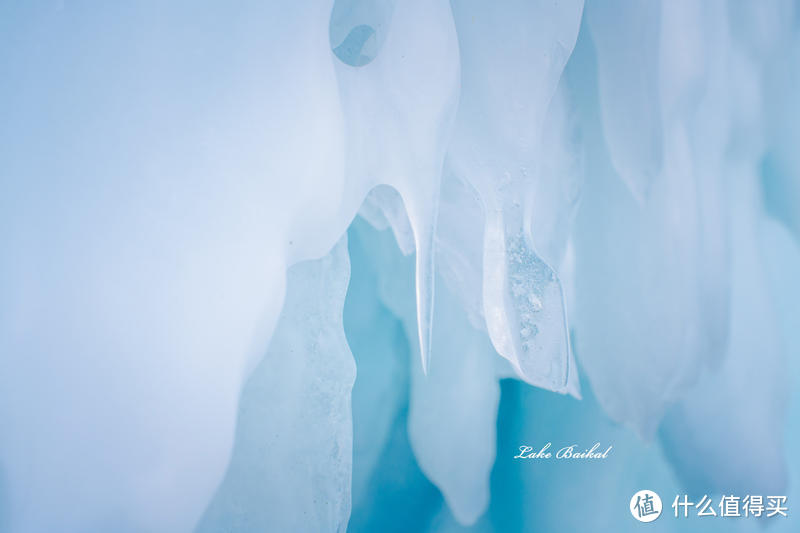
column 174, row 180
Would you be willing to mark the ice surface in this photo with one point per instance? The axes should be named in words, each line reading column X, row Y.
column 781, row 170
column 358, row 29
column 703, row 435
column 308, row 371
column 170, row 174
column 700, row 434
column 705, row 114
column 410, row 89
column 458, row 398
column 669, row 245
column 632, row 253
column 626, row 37
column 496, row 148
column 149, row 244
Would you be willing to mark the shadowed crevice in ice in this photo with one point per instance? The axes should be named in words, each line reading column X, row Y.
column 398, row 497
column 385, row 473
column 380, row 349
column 459, row 394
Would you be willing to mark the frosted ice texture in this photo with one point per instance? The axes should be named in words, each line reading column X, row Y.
column 496, row 148
column 626, row 37
column 669, row 245
column 701, row 433
column 309, row 372
column 174, row 180
column 754, row 359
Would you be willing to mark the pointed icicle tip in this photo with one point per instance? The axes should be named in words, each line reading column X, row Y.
column 425, row 292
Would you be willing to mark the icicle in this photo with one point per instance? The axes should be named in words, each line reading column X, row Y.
column 456, row 405
column 496, row 148
column 410, row 89
column 626, row 37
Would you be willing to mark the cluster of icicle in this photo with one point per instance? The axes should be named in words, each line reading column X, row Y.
column 177, row 183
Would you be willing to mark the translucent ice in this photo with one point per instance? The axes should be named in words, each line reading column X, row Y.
column 411, row 89
column 379, row 345
column 626, row 36
column 458, row 398
column 512, row 57
column 309, row 372
column 459, row 394
column 191, row 158
column 781, row 167
column 165, row 169
column 670, row 244
column 701, row 435
column 704, row 437
column 140, row 167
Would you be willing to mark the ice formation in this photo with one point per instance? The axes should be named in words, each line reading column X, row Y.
column 670, row 233
column 496, row 148
column 177, row 183
column 309, row 372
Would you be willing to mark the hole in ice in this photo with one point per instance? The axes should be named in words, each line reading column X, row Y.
column 358, row 29
column 356, row 47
